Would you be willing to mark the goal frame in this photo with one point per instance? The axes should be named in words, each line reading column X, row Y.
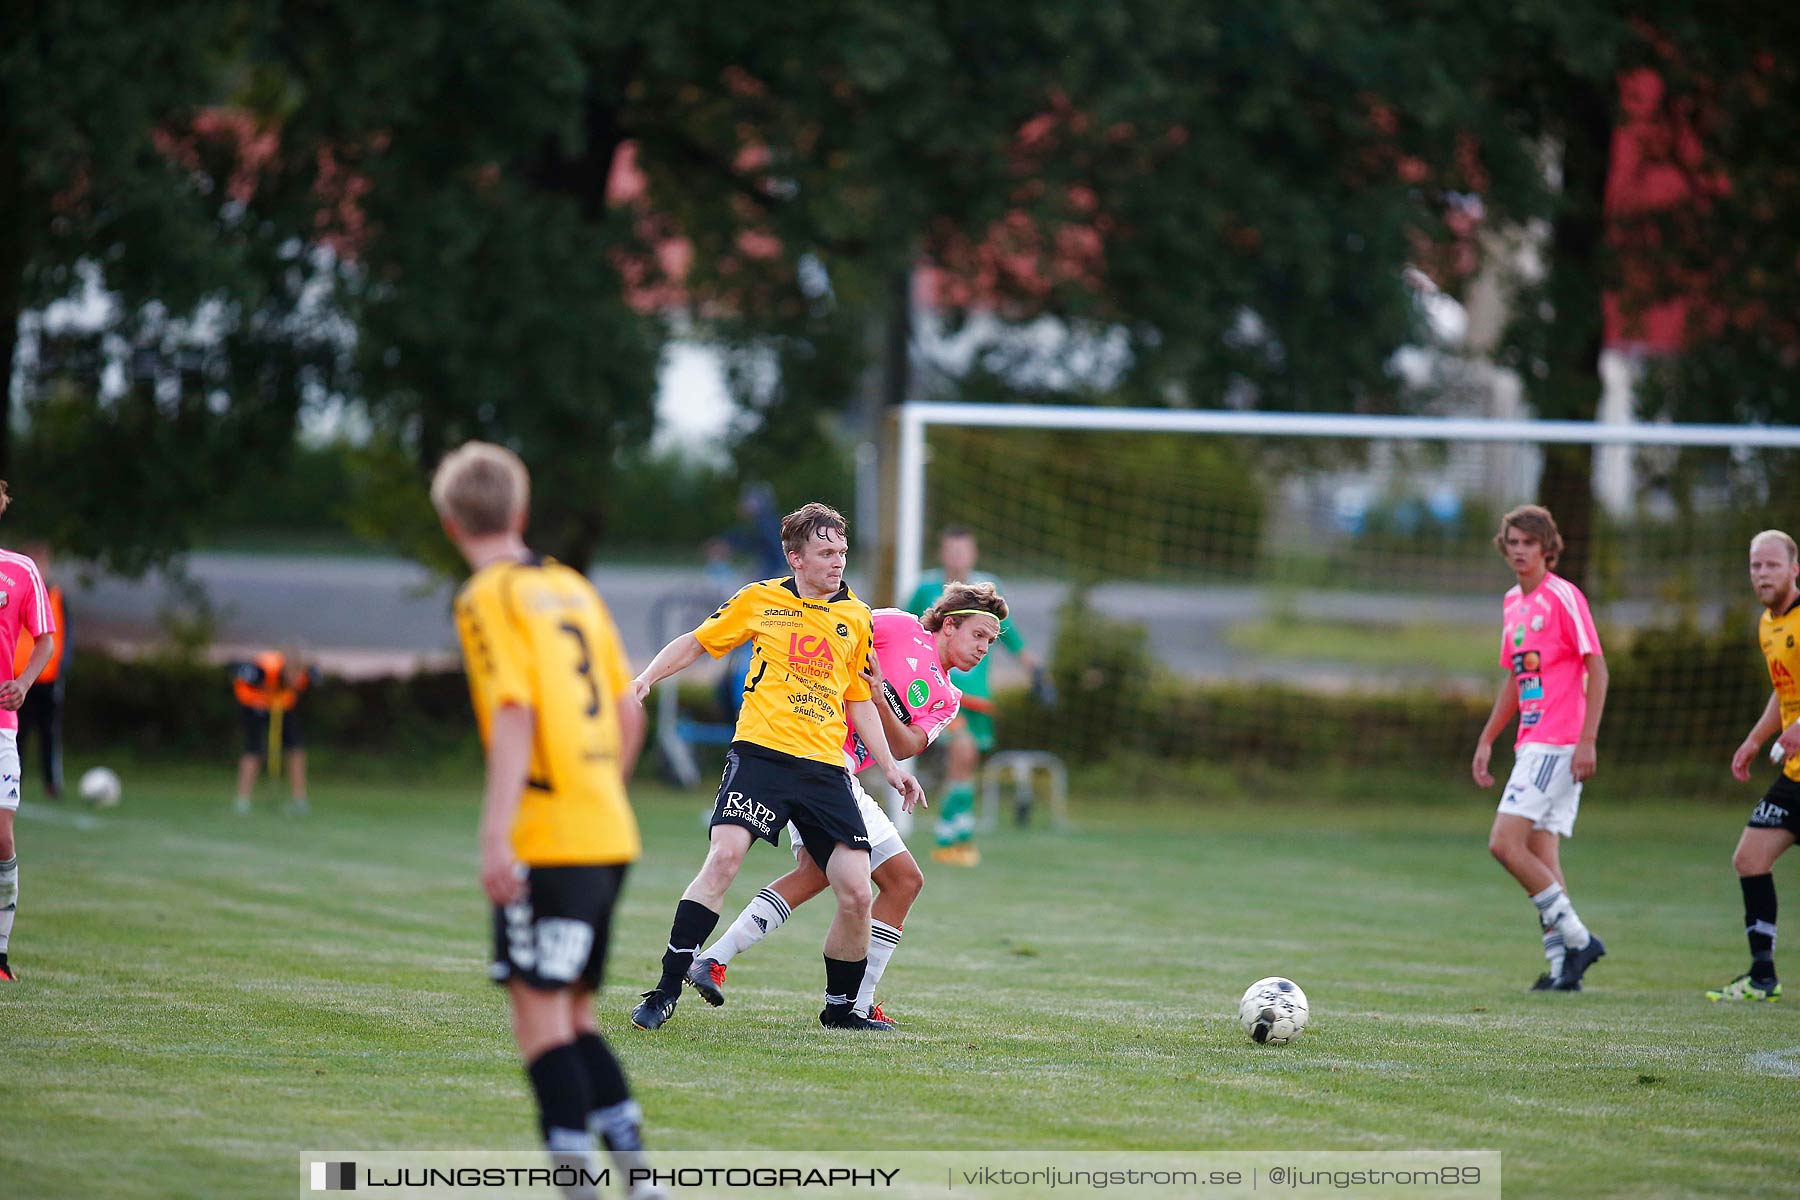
column 916, row 418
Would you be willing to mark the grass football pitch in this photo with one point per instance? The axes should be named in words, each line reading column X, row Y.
column 203, row 996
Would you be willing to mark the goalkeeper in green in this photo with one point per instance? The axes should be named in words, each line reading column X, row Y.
column 972, row 733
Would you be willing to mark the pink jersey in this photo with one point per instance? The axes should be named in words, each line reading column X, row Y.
column 909, row 665
column 1544, row 639
column 24, row 604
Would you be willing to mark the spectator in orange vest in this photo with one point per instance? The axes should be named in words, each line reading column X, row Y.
column 42, row 712
column 268, row 690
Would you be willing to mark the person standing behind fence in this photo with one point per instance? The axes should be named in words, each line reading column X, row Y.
column 268, row 690
column 972, row 733
column 42, row 712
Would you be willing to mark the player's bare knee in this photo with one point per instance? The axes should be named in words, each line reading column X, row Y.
column 1750, row 860
column 901, row 879
column 855, row 893
column 856, row 901
column 6, row 846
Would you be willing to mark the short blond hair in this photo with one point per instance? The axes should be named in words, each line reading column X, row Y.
column 1784, row 539
column 481, row 487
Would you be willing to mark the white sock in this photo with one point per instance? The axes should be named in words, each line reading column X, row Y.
column 1556, row 913
column 1554, row 951
column 9, row 899
column 884, row 939
column 761, row 917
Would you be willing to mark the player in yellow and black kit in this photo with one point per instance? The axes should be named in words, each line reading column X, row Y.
column 1775, row 822
column 811, row 640
column 562, row 730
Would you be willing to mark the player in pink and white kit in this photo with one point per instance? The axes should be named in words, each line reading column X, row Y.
column 1557, row 686
column 24, row 604
column 913, row 658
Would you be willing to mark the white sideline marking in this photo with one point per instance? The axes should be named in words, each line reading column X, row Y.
column 56, row 816
column 1777, row 1062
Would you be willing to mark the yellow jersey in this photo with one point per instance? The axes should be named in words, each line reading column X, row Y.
column 1777, row 635
column 537, row 635
column 806, row 664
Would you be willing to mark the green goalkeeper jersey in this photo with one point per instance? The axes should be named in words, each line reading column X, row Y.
column 931, row 586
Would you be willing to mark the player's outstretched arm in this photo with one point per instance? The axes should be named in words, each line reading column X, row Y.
column 508, row 765
column 673, row 658
column 1766, row 726
column 1506, row 705
column 866, row 718
column 631, row 733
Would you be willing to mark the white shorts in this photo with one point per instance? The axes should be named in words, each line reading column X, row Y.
column 1542, row 788
column 884, row 839
column 9, row 769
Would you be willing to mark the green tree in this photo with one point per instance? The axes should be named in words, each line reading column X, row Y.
column 134, row 170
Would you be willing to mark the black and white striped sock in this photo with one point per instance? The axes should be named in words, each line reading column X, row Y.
column 761, row 917
column 884, row 939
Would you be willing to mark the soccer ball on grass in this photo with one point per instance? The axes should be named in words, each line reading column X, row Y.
column 100, row 787
column 1273, row 1011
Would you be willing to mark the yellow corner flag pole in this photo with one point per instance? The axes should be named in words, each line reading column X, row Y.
column 274, row 742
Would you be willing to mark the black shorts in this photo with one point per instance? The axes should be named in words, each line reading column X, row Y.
column 763, row 789
column 256, row 730
column 1780, row 807
column 557, row 932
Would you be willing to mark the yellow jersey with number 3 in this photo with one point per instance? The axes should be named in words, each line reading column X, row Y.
column 1777, row 636
column 806, row 663
column 537, row 635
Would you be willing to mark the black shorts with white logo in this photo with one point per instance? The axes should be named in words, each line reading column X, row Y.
column 763, row 789
column 1780, row 807
column 557, row 932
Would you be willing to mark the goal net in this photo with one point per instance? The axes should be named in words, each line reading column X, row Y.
column 1240, row 593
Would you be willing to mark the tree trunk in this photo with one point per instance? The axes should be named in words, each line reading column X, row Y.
column 1571, row 387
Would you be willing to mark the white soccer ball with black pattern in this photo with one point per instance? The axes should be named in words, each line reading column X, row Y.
column 1273, row 1011
column 100, row 787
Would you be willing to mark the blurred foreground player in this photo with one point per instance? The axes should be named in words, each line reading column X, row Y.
column 24, row 605
column 552, row 696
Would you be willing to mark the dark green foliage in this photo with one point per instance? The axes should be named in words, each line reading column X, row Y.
column 125, row 703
